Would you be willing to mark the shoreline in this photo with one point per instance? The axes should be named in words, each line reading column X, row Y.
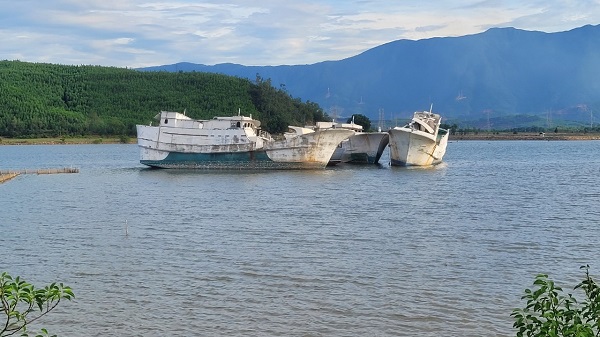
column 455, row 137
column 526, row 136
column 67, row 141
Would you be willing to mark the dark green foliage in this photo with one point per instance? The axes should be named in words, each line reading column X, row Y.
column 361, row 120
column 452, row 128
column 549, row 312
column 277, row 109
column 46, row 100
column 21, row 303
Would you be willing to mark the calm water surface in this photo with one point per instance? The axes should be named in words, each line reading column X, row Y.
column 347, row 251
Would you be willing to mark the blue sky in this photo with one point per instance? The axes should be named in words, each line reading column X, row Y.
column 139, row 33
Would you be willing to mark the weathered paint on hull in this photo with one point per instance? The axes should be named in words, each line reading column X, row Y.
column 304, row 152
column 312, row 147
column 366, row 148
column 194, row 141
column 362, row 148
column 255, row 160
column 416, row 148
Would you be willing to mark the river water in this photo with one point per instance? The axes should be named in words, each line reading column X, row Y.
column 345, row 251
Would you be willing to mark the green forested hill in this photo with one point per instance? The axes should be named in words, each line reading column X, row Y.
column 47, row 100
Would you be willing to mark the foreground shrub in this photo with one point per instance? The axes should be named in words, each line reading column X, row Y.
column 550, row 313
column 23, row 304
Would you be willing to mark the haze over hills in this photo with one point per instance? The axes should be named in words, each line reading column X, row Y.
column 482, row 79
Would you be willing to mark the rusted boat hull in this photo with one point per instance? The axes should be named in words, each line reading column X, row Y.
column 416, row 148
column 364, row 148
column 309, row 151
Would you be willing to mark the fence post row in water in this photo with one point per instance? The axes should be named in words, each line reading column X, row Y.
column 6, row 175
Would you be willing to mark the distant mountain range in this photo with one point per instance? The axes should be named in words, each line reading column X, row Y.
column 491, row 79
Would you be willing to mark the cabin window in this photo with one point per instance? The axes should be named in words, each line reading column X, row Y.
column 166, row 121
column 238, row 124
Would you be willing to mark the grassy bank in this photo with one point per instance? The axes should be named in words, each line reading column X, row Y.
column 68, row 140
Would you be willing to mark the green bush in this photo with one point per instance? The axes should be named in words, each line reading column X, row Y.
column 22, row 303
column 548, row 312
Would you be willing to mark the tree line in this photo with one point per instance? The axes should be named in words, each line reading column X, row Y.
column 50, row 100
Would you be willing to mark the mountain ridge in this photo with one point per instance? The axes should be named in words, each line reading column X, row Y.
column 501, row 72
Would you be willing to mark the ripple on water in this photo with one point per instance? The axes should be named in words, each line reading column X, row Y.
column 341, row 252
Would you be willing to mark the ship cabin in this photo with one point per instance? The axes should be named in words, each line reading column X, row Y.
column 234, row 122
column 179, row 120
column 334, row 125
column 426, row 122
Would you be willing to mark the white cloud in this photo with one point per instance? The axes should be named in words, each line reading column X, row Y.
column 112, row 43
column 137, row 33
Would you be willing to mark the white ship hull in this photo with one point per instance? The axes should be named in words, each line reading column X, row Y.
column 195, row 146
column 315, row 147
column 419, row 143
column 361, row 148
column 416, row 148
column 364, row 148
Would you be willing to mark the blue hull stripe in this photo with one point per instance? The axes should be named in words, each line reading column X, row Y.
column 242, row 160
